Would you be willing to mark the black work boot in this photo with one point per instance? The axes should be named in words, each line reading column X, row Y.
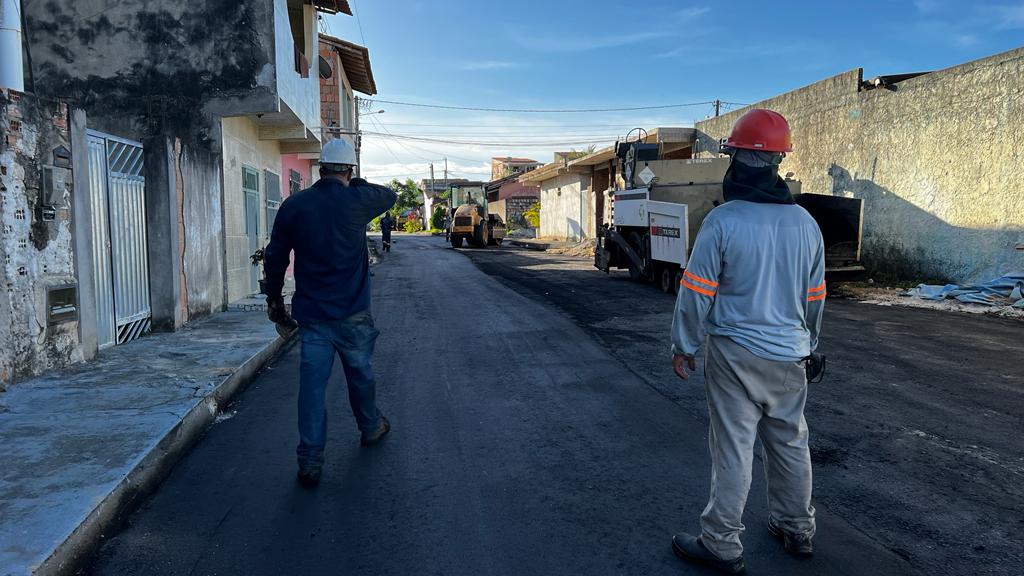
column 692, row 548
column 309, row 477
column 372, row 437
column 796, row 544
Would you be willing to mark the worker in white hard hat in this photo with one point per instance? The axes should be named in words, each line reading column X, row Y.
column 325, row 226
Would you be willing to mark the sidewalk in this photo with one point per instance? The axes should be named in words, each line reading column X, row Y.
column 82, row 446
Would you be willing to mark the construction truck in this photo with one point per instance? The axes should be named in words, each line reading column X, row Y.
column 656, row 217
column 471, row 221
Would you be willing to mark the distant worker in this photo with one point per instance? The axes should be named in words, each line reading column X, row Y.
column 755, row 286
column 387, row 224
column 325, row 225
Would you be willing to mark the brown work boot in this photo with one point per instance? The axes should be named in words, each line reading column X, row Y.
column 372, row 437
column 691, row 548
column 799, row 545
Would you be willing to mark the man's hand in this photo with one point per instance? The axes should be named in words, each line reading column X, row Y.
column 278, row 314
column 680, row 363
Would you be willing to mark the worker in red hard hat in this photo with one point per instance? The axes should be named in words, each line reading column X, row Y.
column 753, row 293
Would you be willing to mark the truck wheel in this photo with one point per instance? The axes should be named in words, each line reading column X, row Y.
column 666, row 280
column 480, row 235
column 637, row 244
column 456, row 241
column 677, row 282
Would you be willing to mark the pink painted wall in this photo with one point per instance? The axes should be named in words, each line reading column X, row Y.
column 291, row 162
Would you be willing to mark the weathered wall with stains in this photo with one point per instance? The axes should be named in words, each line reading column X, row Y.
column 35, row 252
column 937, row 161
column 244, row 149
column 163, row 74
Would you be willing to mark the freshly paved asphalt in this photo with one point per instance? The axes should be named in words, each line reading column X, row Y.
column 520, row 446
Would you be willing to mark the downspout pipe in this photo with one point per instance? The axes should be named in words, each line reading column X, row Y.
column 12, row 72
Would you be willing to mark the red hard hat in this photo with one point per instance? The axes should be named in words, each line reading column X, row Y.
column 763, row 130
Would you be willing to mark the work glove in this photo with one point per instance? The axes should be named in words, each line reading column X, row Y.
column 278, row 314
column 815, row 367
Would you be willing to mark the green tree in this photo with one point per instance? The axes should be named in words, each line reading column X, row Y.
column 437, row 218
column 409, row 195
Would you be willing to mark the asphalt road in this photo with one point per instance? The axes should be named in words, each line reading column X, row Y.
column 521, row 445
column 915, row 434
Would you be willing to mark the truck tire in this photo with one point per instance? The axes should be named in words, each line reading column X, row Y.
column 678, row 281
column 480, row 235
column 456, row 241
column 666, row 279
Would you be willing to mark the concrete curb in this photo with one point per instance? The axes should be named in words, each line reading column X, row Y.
column 147, row 474
column 532, row 245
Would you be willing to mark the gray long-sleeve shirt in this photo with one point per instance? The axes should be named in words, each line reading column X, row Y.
column 757, row 276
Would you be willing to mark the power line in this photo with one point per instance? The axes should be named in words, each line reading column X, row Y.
column 506, row 144
column 397, row 141
column 359, row 23
column 542, row 111
column 524, row 126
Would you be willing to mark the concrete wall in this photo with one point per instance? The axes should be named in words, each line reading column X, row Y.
column 163, row 74
column 937, row 161
column 565, row 208
column 242, row 147
column 35, row 254
column 299, row 94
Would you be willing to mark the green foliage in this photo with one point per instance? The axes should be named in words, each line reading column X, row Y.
column 409, row 195
column 574, row 154
column 413, row 226
column 437, row 218
column 532, row 215
column 375, row 224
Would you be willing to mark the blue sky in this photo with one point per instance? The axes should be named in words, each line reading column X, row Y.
column 574, row 54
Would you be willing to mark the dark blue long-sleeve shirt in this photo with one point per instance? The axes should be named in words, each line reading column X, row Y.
column 325, row 225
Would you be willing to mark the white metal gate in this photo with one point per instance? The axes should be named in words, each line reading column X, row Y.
column 120, row 260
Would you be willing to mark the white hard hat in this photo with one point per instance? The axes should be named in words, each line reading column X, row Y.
column 338, row 151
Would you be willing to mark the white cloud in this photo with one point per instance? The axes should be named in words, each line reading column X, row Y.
column 692, row 13
column 490, row 65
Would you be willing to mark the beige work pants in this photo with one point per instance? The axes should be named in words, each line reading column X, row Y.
column 750, row 397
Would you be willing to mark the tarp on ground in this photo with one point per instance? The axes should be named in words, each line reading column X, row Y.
column 1004, row 291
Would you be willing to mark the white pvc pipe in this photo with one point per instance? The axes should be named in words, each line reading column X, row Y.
column 12, row 74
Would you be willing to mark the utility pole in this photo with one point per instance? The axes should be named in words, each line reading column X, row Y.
column 718, row 107
column 432, row 191
column 451, row 201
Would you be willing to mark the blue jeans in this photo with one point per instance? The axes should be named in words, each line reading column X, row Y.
column 353, row 339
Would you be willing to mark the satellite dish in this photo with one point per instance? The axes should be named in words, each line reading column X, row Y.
column 325, row 68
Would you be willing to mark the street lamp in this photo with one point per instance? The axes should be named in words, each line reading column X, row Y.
column 369, row 113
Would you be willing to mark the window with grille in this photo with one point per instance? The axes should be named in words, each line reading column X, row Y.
column 273, row 187
column 294, row 182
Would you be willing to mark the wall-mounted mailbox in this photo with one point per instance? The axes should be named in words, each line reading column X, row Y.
column 61, row 304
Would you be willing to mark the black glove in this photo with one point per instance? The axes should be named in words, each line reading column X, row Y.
column 815, row 367
column 278, row 314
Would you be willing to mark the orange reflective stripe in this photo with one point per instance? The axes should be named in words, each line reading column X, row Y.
column 699, row 279
column 816, row 297
column 818, row 289
column 698, row 289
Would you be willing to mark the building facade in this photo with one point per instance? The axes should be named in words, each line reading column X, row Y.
column 509, row 166
column 146, row 134
column 934, row 156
